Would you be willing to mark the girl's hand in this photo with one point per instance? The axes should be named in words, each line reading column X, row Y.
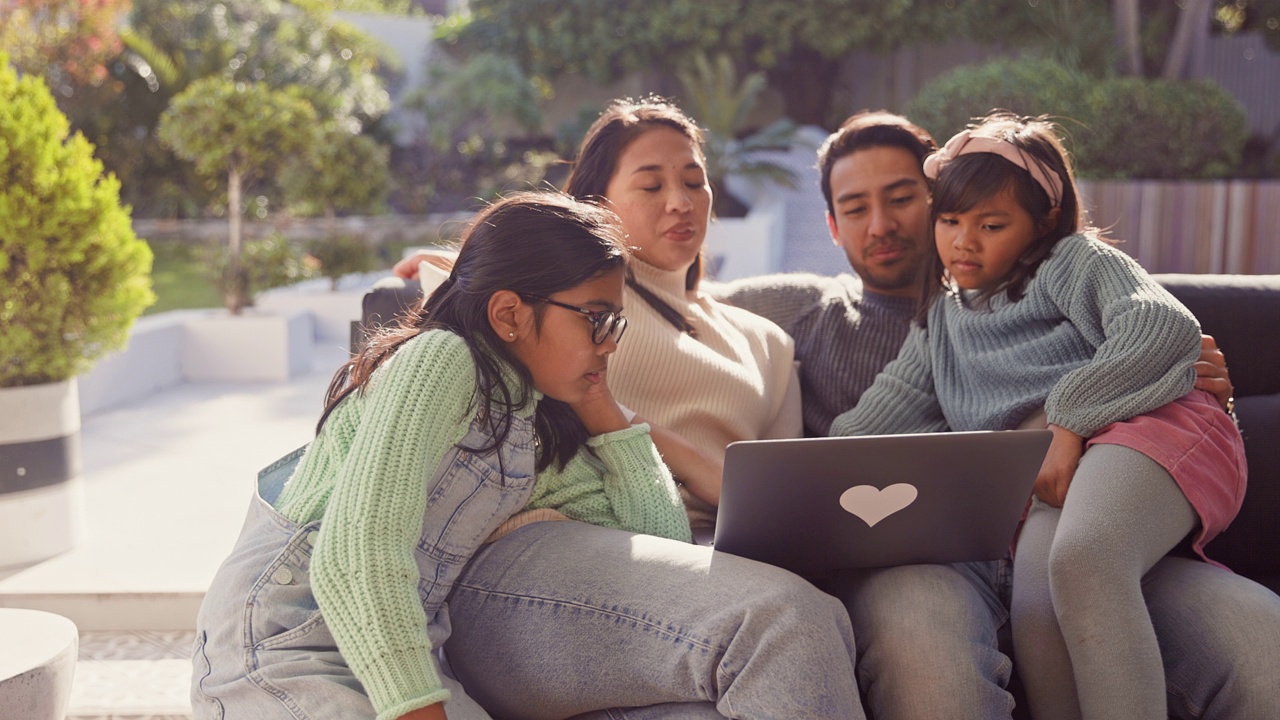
column 598, row 410
column 1211, row 372
column 430, row 712
column 1059, row 466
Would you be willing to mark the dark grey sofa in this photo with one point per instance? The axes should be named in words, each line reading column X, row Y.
column 1242, row 312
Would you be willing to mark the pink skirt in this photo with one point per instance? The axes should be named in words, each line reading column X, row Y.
column 1199, row 445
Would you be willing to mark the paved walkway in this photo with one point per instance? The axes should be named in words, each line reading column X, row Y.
column 167, row 480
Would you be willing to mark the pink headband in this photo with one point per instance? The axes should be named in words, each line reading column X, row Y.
column 964, row 144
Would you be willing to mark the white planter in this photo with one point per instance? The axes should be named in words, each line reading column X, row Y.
column 747, row 246
column 254, row 347
column 41, row 494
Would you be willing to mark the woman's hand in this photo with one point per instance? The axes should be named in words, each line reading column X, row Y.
column 1211, row 372
column 1059, row 466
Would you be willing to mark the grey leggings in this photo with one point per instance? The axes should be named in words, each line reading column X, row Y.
column 1083, row 638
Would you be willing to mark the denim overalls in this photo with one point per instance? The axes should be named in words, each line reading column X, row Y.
column 263, row 649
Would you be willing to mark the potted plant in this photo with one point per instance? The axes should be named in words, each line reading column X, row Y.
column 239, row 132
column 73, row 278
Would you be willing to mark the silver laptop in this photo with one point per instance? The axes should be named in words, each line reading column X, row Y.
column 821, row 504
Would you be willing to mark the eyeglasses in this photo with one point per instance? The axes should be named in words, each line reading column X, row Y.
column 604, row 323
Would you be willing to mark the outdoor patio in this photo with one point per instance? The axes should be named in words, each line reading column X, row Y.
column 166, row 482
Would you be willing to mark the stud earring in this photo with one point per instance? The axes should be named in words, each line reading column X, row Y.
column 511, row 335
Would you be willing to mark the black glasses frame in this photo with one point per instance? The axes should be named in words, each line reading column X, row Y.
column 604, row 323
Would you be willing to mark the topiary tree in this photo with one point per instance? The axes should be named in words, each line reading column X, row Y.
column 239, row 131
column 73, row 276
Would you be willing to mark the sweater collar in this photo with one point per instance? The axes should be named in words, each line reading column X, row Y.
column 891, row 304
column 666, row 282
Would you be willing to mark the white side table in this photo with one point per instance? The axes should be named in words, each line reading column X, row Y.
column 38, row 653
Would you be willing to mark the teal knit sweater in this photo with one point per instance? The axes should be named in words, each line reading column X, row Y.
column 365, row 477
column 1094, row 341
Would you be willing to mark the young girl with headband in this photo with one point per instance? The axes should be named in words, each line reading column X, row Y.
column 1028, row 317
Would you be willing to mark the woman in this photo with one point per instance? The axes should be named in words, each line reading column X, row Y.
column 581, row 618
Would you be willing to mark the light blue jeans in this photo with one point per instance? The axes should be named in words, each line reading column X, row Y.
column 264, row 650
column 934, row 641
column 559, row 619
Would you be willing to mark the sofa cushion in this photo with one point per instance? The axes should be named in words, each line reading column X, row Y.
column 1251, row 544
column 1242, row 312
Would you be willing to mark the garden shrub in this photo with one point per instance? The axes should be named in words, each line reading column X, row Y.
column 1115, row 127
column 73, row 276
column 1144, row 128
column 1027, row 86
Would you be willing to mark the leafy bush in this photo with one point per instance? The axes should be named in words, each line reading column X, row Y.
column 73, row 276
column 264, row 264
column 1142, row 128
column 1028, row 86
column 340, row 255
column 1117, row 127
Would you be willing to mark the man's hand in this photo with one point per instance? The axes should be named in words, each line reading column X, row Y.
column 1211, row 372
column 1059, row 466
column 408, row 267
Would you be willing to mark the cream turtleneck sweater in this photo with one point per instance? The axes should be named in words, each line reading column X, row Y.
column 735, row 381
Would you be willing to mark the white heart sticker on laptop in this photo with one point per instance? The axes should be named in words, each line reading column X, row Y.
column 873, row 505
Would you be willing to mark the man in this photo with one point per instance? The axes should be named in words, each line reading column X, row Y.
column 933, row 640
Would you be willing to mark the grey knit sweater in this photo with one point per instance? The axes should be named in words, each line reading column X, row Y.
column 844, row 336
column 1095, row 340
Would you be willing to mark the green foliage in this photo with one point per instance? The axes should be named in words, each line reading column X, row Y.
column 241, row 130
column 466, row 101
column 1142, row 128
column 606, row 40
column 73, row 276
column 267, row 263
column 721, row 103
column 339, row 255
column 1261, row 16
column 1077, row 33
column 1027, row 86
column 220, row 125
column 603, row 41
column 480, row 112
column 339, row 172
column 1121, row 127
column 179, row 277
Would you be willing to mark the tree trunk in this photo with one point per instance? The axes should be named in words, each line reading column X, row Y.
column 1127, row 24
column 806, row 79
column 1193, row 20
column 234, row 292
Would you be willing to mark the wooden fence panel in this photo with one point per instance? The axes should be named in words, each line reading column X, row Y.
column 1191, row 227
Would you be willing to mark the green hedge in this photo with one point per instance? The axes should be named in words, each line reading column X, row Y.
column 73, row 276
column 1117, row 127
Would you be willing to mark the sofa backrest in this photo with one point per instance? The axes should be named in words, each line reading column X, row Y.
column 1242, row 313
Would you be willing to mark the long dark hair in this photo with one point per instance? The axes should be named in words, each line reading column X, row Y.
column 533, row 243
column 975, row 177
column 607, row 138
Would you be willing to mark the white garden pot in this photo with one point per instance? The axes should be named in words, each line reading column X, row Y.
column 253, row 347
column 41, row 493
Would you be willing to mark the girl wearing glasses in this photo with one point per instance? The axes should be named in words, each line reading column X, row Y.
column 564, row 620
column 486, row 410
